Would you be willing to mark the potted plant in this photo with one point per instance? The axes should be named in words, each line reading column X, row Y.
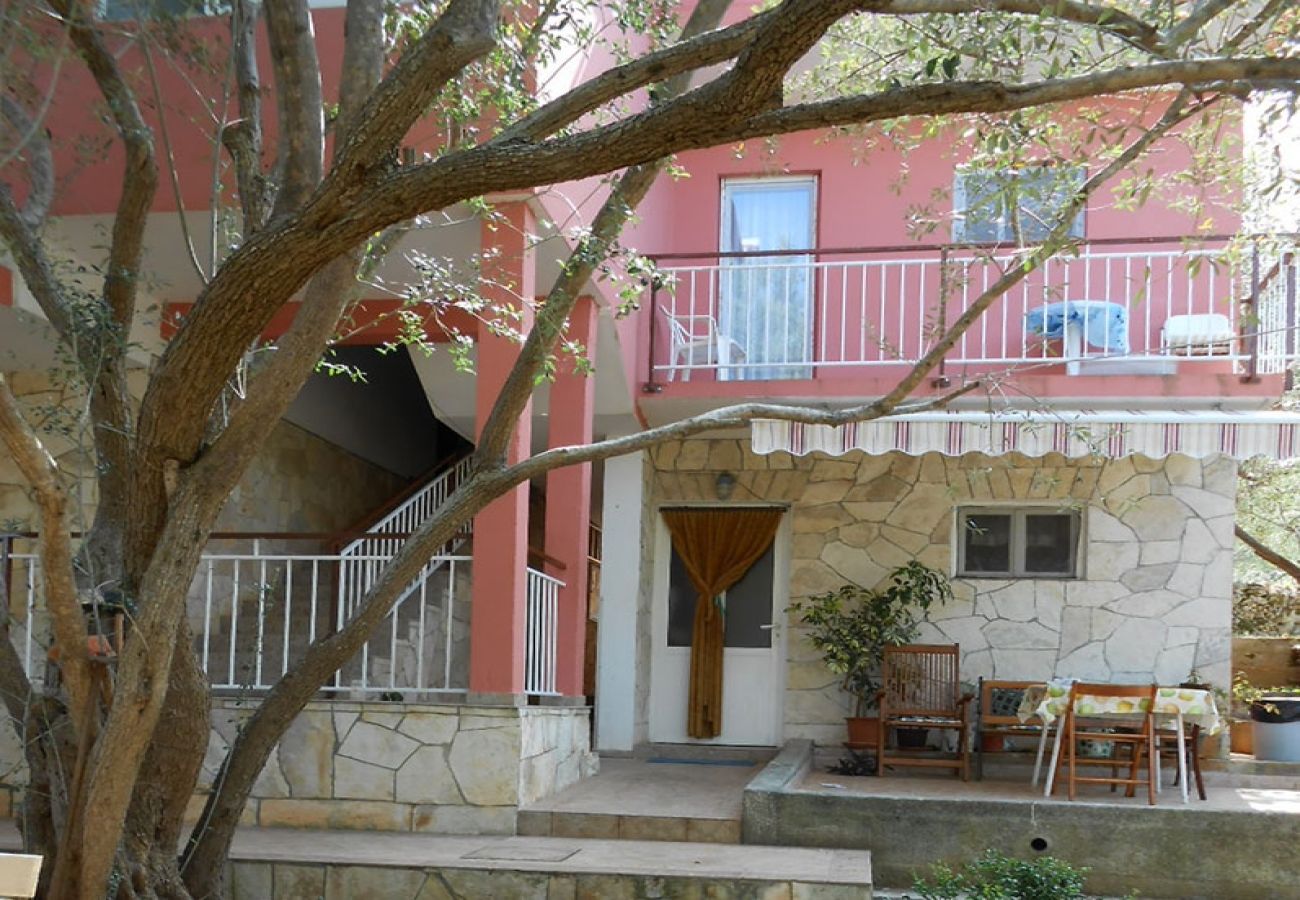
column 1275, row 719
column 853, row 625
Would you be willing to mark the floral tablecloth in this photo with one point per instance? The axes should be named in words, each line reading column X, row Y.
column 1047, row 702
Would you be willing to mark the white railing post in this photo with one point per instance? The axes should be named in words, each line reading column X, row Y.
column 541, row 632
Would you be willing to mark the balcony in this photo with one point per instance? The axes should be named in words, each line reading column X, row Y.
column 1108, row 307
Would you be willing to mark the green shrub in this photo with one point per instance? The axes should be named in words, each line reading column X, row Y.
column 997, row 877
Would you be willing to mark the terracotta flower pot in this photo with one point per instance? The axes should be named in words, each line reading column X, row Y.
column 863, row 732
column 992, row 743
column 1243, row 737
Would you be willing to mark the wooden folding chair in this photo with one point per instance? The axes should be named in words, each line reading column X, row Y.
column 1117, row 732
column 921, row 688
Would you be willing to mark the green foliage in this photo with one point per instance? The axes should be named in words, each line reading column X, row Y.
column 1246, row 693
column 852, row 626
column 1271, row 610
column 1266, row 508
column 997, row 877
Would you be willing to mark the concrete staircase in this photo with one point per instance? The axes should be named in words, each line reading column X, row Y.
column 679, row 799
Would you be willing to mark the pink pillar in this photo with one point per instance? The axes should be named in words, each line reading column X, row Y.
column 497, row 621
column 568, row 500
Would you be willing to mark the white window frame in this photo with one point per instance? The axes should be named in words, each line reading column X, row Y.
column 1018, row 514
column 1078, row 228
column 143, row 10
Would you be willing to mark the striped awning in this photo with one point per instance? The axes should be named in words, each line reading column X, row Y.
column 1074, row 433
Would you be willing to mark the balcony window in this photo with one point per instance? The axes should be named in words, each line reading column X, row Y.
column 1018, row 542
column 766, row 302
column 1013, row 205
column 136, row 10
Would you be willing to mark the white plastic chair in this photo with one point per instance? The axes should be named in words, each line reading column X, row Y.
column 1203, row 334
column 695, row 335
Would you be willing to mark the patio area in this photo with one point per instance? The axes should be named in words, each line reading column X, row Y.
column 1230, row 790
column 1239, row 843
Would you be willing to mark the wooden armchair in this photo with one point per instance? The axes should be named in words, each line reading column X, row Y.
column 920, row 688
column 995, row 717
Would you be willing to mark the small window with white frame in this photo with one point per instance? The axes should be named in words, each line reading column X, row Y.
column 1018, row 542
column 999, row 206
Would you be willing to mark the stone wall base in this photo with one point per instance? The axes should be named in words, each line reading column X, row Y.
column 292, row 881
column 376, row 766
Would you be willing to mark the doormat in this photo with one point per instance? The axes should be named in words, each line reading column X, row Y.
column 674, row 761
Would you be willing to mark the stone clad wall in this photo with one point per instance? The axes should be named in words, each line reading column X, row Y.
column 446, row 768
column 301, row 482
column 1154, row 599
column 408, row 767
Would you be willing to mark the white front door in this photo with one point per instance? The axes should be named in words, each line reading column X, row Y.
column 752, row 677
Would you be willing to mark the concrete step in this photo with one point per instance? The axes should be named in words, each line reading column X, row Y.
column 274, row 864
column 654, row 799
column 628, row 826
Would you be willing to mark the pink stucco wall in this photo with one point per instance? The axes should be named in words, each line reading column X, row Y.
column 867, row 194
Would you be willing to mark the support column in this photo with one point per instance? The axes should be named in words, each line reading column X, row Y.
column 617, row 663
column 568, row 499
column 498, row 594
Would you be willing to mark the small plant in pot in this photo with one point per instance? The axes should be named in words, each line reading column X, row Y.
column 853, row 625
column 1275, row 719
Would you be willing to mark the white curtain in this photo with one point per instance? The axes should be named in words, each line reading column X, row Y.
column 766, row 302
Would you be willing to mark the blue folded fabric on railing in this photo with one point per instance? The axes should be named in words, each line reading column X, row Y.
column 1104, row 325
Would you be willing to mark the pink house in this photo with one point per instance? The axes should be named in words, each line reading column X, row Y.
column 1081, row 498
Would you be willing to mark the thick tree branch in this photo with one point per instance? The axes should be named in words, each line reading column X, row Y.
column 1191, row 27
column 726, row 417
column 66, row 620
column 140, row 173
column 1266, row 553
column 687, row 56
column 1103, row 17
column 994, row 97
column 463, row 33
column 243, row 138
column 299, row 103
column 39, row 162
column 34, row 265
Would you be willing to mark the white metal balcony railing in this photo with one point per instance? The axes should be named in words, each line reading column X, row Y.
column 20, row 591
column 542, row 631
column 364, row 557
column 788, row 314
column 261, row 611
column 255, row 608
column 254, row 615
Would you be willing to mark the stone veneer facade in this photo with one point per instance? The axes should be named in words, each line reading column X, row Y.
column 450, row 769
column 1153, row 599
column 444, row 768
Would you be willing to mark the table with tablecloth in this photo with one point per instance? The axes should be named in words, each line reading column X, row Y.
column 1176, row 707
